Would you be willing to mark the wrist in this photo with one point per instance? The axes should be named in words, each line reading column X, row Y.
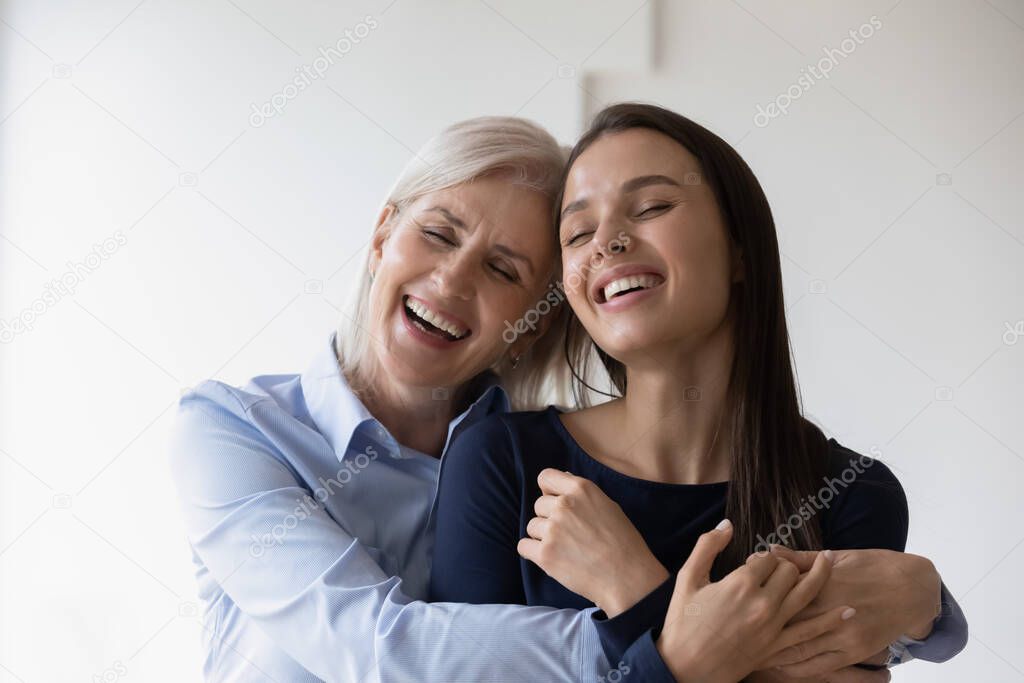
column 684, row 663
column 926, row 582
column 631, row 587
column 923, row 631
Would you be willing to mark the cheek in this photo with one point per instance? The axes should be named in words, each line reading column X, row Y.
column 704, row 282
column 574, row 278
column 405, row 258
column 501, row 305
column 403, row 249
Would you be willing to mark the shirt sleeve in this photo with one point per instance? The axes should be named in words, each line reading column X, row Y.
column 948, row 637
column 621, row 632
column 476, row 557
column 321, row 597
column 867, row 508
column 871, row 512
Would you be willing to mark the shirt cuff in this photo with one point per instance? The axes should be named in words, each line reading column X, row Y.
column 948, row 636
column 620, row 632
column 898, row 652
column 643, row 658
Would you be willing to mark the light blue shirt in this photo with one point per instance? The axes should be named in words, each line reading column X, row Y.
column 311, row 533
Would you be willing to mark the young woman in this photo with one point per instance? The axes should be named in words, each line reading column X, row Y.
column 307, row 497
column 671, row 266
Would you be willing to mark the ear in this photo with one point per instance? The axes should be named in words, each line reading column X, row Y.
column 381, row 231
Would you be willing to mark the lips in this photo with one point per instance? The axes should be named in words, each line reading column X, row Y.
column 429, row 320
column 625, row 280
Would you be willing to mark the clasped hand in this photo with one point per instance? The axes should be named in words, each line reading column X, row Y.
column 780, row 617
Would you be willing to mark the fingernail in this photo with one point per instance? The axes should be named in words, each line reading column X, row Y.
column 724, row 525
column 830, row 556
column 848, row 613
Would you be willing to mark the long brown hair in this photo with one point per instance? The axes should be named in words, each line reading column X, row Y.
column 777, row 456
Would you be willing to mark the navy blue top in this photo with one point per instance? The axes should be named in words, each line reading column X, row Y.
column 488, row 487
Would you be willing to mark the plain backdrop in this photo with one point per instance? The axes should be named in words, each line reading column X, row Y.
column 194, row 235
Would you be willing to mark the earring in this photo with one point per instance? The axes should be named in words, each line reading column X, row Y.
column 515, row 362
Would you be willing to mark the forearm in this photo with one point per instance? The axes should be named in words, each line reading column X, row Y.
column 320, row 596
column 946, row 636
column 637, row 580
column 340, row 617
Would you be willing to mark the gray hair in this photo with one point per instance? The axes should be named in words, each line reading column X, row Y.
column 464, row 151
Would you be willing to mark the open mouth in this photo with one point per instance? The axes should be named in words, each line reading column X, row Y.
column 629, row 284
column 432, row 322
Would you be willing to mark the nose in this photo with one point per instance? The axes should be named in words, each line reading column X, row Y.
column 613, row 236
column 454, row 277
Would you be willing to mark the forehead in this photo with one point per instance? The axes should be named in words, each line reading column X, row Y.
column 617, row 157
column 491, row 201
column 495, row 209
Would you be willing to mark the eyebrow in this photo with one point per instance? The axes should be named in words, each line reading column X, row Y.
column 631, row 185
column 647, row 180
column 449, row 216
column 500, row 248
column 515, row 255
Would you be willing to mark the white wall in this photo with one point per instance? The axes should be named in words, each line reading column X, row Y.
column 894, row 184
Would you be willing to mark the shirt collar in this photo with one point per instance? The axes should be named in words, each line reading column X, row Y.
column 338, row 412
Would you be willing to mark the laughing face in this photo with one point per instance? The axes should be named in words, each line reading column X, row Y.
column 668, row 288
column 450, row 270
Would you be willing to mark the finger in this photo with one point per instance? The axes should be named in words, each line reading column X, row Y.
column 557, row 482
column 807, row 589
column 697, row 570
column 803, row 559
column 546, row 505
column 819, row 665
column 761, row 568
column 782, row 580
column 529, row 549
column 538, row 528
column 806, row 639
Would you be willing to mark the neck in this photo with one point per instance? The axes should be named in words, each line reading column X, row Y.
column 674, row 412
column 417, row 417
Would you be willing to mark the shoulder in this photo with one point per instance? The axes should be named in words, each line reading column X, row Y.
column 865, row 503
column 499, row 447
column 218, row 423
column 221, row 401
column 502, row 433
column 856, row 470
column 212, row 405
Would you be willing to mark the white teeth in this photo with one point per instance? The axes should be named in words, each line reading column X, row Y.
column 645, row 281
column 434, row 318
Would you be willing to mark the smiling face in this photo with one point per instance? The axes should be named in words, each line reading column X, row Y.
column 449, row 270
column 668, row 288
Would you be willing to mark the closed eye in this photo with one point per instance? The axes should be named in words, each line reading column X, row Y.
column 653, row 210
column 439, row 237
column 576, row 238
column 510, row 276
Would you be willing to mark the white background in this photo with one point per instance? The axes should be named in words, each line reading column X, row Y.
column 895, row 185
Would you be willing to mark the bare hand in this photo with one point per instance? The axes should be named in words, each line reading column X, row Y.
column 894, row 593
column 720, row 632
column 582, row 539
